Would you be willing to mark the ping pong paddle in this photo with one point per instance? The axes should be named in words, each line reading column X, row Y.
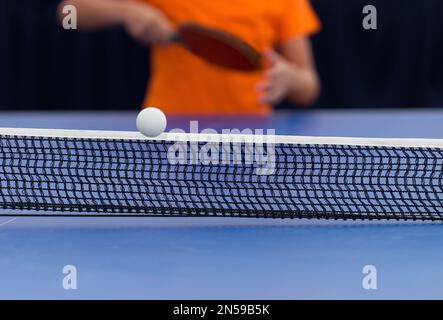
column 218, row 47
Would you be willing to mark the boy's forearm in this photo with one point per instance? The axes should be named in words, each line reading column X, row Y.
column 306, row 87
column 96, row 14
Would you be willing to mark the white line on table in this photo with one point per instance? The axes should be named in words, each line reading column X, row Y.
column 8, row 221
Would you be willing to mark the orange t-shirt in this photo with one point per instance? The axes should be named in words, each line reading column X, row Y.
column 182, row 83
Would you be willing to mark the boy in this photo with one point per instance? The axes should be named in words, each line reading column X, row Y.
column 182, row 83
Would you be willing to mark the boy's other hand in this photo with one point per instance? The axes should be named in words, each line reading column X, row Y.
column 147, row 24
column 279, row 79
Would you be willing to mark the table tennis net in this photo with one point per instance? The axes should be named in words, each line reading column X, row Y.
column 54, row 172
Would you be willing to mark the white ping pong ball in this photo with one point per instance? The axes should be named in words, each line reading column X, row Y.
column 151, row 122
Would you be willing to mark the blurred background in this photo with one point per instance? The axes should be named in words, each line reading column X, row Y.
column 43, row 67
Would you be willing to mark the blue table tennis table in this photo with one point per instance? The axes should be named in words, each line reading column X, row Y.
column 225, row 258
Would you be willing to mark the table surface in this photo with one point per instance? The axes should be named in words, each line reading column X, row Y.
column 221, row 258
